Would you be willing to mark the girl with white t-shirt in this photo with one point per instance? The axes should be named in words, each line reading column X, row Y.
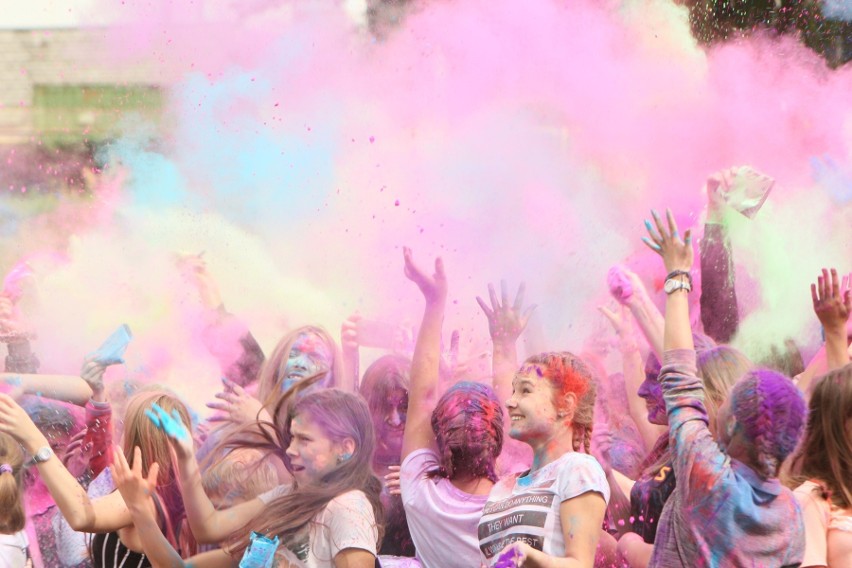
column 555, row 510
column 450, row 444
column 13, row 539
column 328, row 517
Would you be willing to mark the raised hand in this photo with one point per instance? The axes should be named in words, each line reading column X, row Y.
column 716, row 186
column 15, row 421
column 392, row 480
column 237, row 405
column 175, row 429
column 93, row 373
column 622, row 323
column 195, row 270
column 349, row 333
column 506, row 321
column 434, row 287
column 135, row 489
column 77, row 454
column 832, row 299
column 677, row 254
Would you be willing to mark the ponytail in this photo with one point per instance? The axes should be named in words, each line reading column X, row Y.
column 12, row 516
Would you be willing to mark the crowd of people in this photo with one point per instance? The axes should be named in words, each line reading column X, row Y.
column 695, row 456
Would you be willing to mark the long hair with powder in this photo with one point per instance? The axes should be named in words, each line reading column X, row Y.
column 720, row 368
column 12, row 516
column 140, row 431
column 468, row 427
column 825, row 454
column 568, row 374
column 771, row 411
column 386, row 374
column 340, row 415
column 272, row 374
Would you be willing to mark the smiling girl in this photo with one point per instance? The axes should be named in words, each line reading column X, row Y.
column 551, row 514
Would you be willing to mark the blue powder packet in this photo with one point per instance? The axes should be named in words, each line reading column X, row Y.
column 260, row 552
column 112, row 350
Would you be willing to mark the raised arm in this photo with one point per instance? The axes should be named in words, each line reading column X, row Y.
column 350, row 350
column 67, row 388
column 677, row 258
column 226, row 337
column 83, row 514
column 719, row 311
column 91, row 449
column 634, row 373
column 832, row 301
column 506, row 322
column 423, row 392
column 627, row 288
column 136, row 491
column 208, row 524
column 698, row 461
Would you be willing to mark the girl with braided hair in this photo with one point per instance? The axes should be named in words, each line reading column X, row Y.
column 450, row 444
column 554, row 510
column 728, row 508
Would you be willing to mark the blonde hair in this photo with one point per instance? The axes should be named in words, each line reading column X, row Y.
column 12, row 516
column 720, row 368
column 140, row 431
column 240, row 476
column 271, row 374
column 568, row 374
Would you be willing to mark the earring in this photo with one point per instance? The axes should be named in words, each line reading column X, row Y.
column 343, row 458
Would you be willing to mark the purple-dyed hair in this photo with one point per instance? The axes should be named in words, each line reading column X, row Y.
column 468, row 427
column 771, row 411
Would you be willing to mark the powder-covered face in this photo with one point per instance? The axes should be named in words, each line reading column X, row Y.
column 652, row 392
column 390, row 425
column 312, row 454
column 532, row 412
column 308, row 355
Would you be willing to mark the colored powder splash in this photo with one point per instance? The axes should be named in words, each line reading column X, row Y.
column 517, row 140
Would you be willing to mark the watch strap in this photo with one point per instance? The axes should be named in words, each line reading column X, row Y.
column 42, row 455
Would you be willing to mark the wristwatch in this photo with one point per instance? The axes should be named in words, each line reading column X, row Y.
column 42, row 455
column 673, row 285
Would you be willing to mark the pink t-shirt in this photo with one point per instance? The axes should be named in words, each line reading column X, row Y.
column 442, row 518
column 828, row 530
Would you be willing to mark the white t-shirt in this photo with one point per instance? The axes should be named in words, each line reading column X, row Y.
column 527, row 508
column 346, row 522
column 13, row 550
column 442, row 519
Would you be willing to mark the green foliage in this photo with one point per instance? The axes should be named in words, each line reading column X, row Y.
column 715, row 21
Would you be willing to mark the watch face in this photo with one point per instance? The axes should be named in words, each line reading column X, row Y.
column 44, row 454
column 670, row 286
